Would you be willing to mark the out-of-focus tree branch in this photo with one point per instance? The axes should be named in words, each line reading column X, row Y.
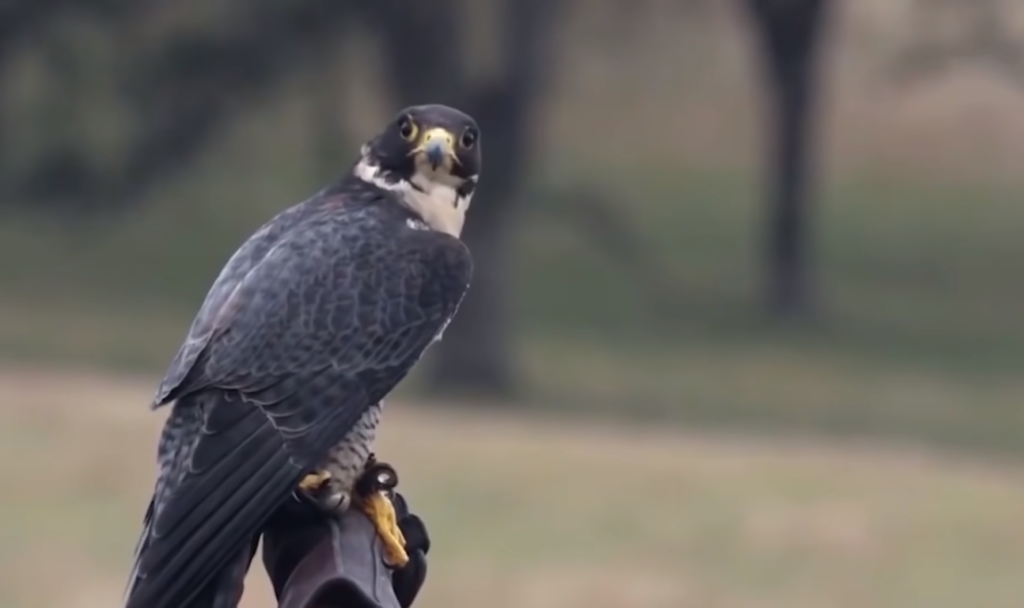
column 181, row 92
column 21, row 19
column 194, row 86
column 596, row 218
column 980, row 35
column 21, row 22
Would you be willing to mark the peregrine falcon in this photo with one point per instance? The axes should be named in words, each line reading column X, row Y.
column 277, row 389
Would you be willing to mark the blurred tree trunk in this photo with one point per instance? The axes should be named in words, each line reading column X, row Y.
column 427, row 64
column 789, row 34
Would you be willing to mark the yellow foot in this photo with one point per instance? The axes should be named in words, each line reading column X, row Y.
column 314, row 481
column 381, row 512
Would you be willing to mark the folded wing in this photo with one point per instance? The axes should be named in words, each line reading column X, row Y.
column 312, row 337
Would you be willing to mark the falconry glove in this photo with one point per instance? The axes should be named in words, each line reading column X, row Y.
column 318, row 560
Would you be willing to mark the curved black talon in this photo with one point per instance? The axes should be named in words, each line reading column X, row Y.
column 377, row 477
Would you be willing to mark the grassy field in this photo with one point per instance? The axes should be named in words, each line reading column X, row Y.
column 919, row 334
column 526, row 513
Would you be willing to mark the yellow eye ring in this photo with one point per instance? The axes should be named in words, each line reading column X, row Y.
column 407, row 129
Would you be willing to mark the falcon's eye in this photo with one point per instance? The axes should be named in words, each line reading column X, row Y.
column 407, row 128
column 468, row 139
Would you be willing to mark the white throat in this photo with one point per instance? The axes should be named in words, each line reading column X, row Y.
column 438, row 203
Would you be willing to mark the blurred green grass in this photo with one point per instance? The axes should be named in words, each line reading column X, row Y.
column 926, row 272
column 919, row 334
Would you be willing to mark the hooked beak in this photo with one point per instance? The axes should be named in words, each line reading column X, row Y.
column 437, row 148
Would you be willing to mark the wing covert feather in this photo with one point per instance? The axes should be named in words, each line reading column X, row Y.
column 317, row 303
column 248, row 256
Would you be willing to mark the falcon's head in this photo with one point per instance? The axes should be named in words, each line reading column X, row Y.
column 430, row 156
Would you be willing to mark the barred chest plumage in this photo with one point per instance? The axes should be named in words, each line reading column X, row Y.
column 347, row 460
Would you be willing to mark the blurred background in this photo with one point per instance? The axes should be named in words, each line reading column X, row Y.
column 745, row 329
